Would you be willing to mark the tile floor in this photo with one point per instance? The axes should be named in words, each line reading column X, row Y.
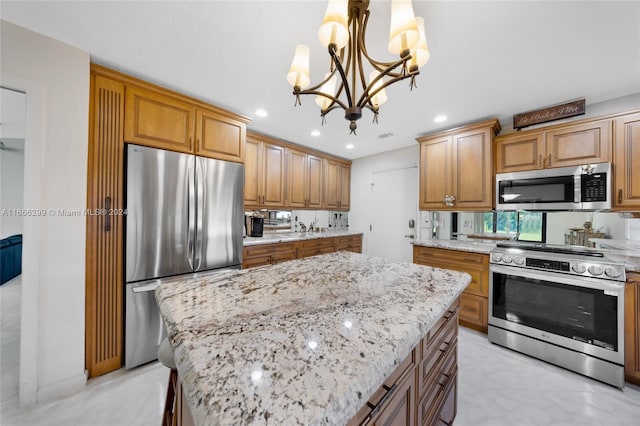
column 496, row 387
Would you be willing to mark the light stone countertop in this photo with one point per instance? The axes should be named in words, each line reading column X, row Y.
column 475, row 246
column 302, row 342
column 285, row 237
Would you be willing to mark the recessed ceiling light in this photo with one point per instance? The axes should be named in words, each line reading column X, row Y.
column 349, row 146
column 315, row 133
column 261, row 112
column 440, row 118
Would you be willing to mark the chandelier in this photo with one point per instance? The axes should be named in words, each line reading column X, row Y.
column 343, row 32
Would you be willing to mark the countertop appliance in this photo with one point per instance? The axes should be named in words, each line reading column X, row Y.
column 255, row 225
column 184, row 216
column 586, row 187
column 561, row 304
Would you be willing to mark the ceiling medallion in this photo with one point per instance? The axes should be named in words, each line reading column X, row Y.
column 343, row 32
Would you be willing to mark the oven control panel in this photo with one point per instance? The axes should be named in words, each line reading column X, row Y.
column 565, row 264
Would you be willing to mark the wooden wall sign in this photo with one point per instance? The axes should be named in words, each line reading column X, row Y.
column 555, row 112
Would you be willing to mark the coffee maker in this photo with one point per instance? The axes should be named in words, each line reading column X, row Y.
column 254, row 225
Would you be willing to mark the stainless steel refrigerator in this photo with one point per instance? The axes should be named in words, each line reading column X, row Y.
column 184, row 216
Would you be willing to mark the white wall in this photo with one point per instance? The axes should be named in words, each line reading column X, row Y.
column 361, row 170
column 55, row 77
column 11, row 186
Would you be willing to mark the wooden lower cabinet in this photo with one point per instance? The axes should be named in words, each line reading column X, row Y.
column 270, row 254
column 474, row 311
column 474, row 304
column 632, row 328
column 351, row 243
column 267, row 254
column 316, row 247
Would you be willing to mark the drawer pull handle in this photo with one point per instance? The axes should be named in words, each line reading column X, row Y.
column 390, row 390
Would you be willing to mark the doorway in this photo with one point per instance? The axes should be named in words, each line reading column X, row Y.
column 12, row 148
column 393, row 212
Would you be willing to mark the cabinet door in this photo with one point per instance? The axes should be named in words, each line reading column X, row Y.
column 345, row 187
column 474, row 312
column 472, row 171
column 314, row 182
column 252, row 181
column 519, row 152
column 159, row 121
column 332, row 184
column 104, row 274
column 297, row 178
column 626, row 163
column 273, row 169
column 579, row 144
column 219, row 137
column 435, row 173
column 632, row 328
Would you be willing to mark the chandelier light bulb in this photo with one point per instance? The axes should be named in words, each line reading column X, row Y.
column 380, row 97
column 420, row 54
column 335, row 28
column 330, row 89
column 298, row 75
column 403, row 34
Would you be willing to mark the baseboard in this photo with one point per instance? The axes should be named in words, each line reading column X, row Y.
column 62, row 388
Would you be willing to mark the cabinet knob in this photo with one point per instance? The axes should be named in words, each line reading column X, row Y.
column 449, row 200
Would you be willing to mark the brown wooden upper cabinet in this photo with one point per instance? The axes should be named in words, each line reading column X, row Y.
column 626, row 163
column 557, row 146
column 160, row 120
column 456, row 169
column 304, row 180
column 264, row 180
column 337, row 184
column 218, row 136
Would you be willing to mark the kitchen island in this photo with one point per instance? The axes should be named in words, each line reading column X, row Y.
column 308, row 341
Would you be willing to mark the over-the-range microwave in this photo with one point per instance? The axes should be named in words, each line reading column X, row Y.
column 586, row 187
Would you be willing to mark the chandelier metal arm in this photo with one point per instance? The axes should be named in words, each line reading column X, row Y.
column 366, row 96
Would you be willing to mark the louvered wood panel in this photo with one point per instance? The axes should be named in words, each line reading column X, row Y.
column 104, row 294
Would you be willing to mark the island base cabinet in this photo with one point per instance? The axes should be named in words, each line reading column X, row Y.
column 423, row 388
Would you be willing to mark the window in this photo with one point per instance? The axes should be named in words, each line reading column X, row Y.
column 530, row 226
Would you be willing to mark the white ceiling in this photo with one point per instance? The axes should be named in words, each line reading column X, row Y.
column 488, row 59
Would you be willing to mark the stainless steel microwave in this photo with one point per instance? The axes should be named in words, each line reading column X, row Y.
column 586, row 187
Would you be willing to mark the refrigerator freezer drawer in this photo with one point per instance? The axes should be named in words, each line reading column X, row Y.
column 144, row 329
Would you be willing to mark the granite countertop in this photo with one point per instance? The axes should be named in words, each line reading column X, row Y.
column 475, row 246
column 302, row 342
column 284, row 237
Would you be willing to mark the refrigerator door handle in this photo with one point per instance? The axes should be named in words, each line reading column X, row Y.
column 191, row 210
column 200, row 194
column 145, row 288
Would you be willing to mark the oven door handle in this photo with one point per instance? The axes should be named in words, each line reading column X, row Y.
column 574, row 280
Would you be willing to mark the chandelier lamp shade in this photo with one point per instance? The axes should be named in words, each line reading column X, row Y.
column 346, row 86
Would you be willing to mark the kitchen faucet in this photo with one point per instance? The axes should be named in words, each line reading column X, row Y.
column 303, row 227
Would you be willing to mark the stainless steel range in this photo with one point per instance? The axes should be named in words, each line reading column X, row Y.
column 561, row 304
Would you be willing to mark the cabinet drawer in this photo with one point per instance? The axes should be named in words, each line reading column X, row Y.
column 315, row 247
column 461, row 259
column 442, row 322
column 399, row 374
column 438, row 390
column 268, row 249
column 435, row 353
column 473, row 310
column 349, row 243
